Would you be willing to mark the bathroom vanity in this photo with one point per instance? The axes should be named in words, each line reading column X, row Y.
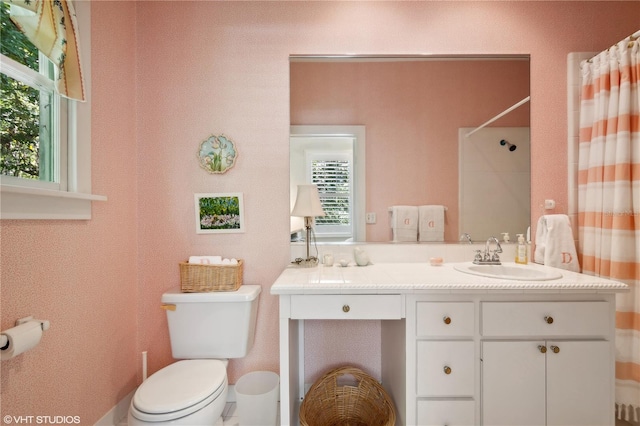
column 464, row 349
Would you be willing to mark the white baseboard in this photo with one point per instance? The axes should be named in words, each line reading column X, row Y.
column 117, row 413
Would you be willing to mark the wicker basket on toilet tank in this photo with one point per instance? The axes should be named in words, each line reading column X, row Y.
column 202, row 278
column 360, row 401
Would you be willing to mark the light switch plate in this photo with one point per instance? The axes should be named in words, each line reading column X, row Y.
column 371, row 218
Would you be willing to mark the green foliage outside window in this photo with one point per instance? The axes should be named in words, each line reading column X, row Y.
column 19, row 106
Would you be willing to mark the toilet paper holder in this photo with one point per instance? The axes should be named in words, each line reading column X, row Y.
column 44, row 324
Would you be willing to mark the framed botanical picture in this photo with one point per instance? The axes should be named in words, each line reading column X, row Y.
column 219, row 213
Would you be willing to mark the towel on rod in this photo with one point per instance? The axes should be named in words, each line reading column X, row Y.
column 404, row 223
column 431, row 223
column 554, row 243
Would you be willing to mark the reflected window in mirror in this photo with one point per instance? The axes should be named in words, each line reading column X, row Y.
column 331, row 171
column 331, row 157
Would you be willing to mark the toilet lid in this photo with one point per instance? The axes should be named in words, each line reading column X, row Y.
column 180, row 385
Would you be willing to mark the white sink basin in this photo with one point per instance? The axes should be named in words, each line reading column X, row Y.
column 510, row 271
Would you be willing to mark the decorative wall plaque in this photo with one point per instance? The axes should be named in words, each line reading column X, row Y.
column 217, row 154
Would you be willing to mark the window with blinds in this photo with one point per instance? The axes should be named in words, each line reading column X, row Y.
column 333, row 174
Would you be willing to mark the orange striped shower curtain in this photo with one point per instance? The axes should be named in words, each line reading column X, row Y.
column 609, row 198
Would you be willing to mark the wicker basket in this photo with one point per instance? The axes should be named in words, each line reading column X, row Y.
column 363, row 403
column 198, row 278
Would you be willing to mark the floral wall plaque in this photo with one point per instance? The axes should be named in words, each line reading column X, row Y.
column 217, row 154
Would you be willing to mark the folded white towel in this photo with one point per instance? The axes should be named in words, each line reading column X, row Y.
column 207, row 260
column 431, row 223
column 404, row 223
column 554, row 243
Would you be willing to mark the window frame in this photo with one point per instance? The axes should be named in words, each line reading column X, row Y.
column 27, row 199
column 359, row 171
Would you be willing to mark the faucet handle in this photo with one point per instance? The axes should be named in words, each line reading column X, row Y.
column 495, row 257
column 478, row 257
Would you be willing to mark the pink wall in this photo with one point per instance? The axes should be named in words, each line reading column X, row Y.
column 171, row 74
column 412, row 112
column 82, row 275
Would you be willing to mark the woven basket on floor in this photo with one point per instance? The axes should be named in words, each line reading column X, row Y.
column 362, row 403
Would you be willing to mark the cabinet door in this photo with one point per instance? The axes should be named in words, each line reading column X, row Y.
column 513, row 383
column 578, row 383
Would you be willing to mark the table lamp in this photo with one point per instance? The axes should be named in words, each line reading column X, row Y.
column 308, row 206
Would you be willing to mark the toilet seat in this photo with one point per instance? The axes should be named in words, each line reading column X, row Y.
column 179, row 390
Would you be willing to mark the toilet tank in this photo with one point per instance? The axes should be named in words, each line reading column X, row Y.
column 212, row 325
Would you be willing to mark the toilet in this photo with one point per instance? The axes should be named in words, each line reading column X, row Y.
column 205, row 330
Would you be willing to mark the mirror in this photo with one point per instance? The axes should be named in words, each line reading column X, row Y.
column 408, row 116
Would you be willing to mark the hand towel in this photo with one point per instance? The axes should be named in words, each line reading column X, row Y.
column 554, row 243
column 431, row 223
column 207, row 260
column 404, row 223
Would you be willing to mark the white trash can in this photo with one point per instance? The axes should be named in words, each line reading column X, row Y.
column 257, row 398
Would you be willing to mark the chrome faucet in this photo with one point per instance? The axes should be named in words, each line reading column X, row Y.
column 488, row 257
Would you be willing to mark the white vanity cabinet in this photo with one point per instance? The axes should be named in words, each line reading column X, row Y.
column 520, row 359
column 552, row 364
column 461, row 350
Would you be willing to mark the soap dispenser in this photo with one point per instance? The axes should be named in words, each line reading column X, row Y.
column 521, row 250
column 505, row 237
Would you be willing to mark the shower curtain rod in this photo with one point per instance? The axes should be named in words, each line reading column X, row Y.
column 505, row 112
column 633, row 37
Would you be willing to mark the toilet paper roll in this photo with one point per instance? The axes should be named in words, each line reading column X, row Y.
column 21, row 338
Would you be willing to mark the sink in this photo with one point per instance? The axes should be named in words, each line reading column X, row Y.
column 511, row 271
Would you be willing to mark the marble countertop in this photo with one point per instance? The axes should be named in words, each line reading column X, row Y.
column 398, row 278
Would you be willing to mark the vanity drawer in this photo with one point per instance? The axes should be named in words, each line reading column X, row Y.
column 444, row 369
column 584, row 319
column 444, row 319
column 450, row 413
column 347, row 306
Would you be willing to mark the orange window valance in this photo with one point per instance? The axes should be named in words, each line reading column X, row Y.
column 52, row 27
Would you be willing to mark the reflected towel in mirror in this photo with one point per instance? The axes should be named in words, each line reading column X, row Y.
column 431, row 223
column 404, row 223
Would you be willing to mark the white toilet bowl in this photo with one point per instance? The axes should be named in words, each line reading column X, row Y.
column 205, row 330
column 189, row 392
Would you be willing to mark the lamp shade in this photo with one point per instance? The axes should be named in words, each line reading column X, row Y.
column 307, row 202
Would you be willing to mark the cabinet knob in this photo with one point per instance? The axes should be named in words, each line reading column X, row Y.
column 542, row 348
column 549, row 319
column 345, row 308
column 447, row 320
column 555, row 349
column 447, row 369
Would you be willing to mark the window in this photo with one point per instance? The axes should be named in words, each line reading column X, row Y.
column 332, row 147
column 30, row 108
column 45, row 162
column 332, row 172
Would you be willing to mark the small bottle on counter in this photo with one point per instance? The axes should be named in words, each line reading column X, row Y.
column 521, row 250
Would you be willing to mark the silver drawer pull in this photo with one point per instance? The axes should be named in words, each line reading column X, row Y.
column 345, row 308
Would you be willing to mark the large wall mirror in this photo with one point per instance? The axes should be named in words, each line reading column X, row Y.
column 401, row 130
